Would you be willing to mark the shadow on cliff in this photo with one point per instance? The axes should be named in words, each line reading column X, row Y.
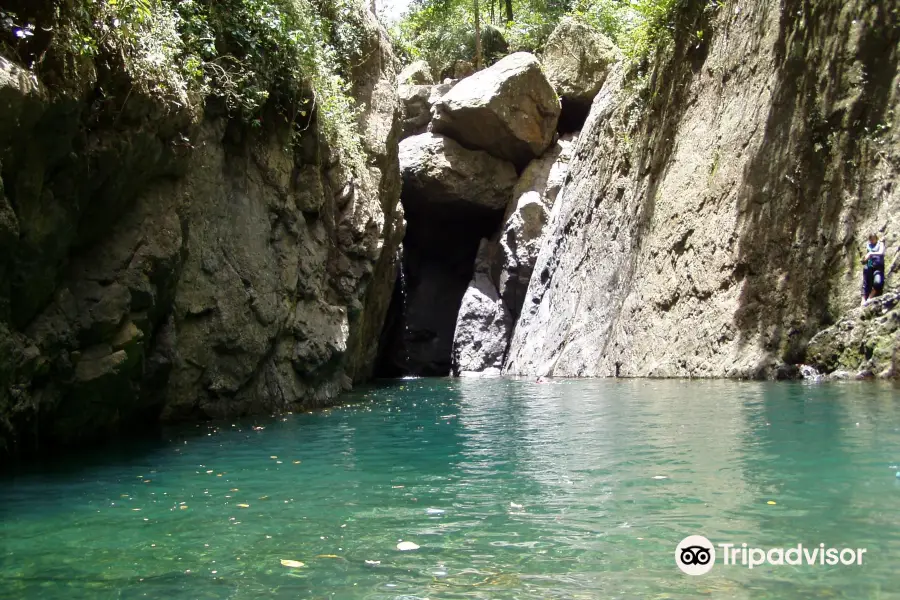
column 811, row 169
column 668, row 97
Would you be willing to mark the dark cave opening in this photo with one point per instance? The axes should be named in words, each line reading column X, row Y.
column 438, row 261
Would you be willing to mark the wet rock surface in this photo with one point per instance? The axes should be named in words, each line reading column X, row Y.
column 522, row 233
column 503, row 266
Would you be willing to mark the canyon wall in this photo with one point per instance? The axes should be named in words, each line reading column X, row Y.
column 716, row 207
column 156, row 263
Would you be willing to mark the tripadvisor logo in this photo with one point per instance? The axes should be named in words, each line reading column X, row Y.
column 696, row 555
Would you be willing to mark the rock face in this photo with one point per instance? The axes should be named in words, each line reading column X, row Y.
column 522, row 233
column 862, row 344
column 510, row 110
column 577, row 59
column 417, row 73
column 199, row 270
column 715, row 220
column 452, row 197
column 484, row 324
column 416, row 101
column 503, row 266
column 438, row 171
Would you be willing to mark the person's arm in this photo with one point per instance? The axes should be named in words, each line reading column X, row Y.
column 879, row 248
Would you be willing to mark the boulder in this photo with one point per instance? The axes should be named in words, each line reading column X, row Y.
column 452, row 198
column 417, row 73
column 863, row 342
column 416, row 108
column 577, row 60
column 510, row 110
column 436, row 170
column 416, row 102
column 483, row 325
column 461, row 68
column 523, row 228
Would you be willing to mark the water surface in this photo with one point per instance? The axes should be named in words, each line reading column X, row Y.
column 574, row 489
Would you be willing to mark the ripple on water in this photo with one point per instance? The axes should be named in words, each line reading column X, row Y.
column 507, row 489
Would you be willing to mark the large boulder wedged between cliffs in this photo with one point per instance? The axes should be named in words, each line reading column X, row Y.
column 439, row 171
column 484, row 325
column 452, row 197
column 510, row 110
column 577, row 60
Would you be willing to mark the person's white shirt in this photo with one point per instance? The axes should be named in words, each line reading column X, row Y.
column 877, row 250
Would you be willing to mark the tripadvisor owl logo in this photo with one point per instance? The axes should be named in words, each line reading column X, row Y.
column 695, row 555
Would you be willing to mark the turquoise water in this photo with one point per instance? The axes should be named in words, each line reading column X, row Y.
column 576, row 489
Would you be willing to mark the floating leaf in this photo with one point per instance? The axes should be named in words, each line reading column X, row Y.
column 243, row 506
column 294, row 564
column 770, row 502
column 404, row 546
column 327, row 556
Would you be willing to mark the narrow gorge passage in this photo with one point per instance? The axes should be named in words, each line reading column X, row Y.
column 438, row 258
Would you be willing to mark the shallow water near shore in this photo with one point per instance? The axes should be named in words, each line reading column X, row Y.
column 511, row 489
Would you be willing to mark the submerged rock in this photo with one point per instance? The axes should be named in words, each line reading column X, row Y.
column 509, row 109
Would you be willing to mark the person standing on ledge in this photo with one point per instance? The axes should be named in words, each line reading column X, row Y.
column 873, row 271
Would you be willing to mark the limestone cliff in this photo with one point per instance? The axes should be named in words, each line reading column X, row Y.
column 714, row 213
column 158, row 263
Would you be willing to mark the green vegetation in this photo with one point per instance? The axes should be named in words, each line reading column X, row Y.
column 440, row 31
column 252, row 55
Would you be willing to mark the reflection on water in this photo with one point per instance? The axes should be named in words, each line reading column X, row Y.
column 573, row 489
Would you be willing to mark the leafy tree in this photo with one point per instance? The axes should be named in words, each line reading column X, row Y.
column 440, row 31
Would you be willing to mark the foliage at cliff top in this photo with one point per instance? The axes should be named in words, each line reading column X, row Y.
column 290, row 55
column 441, row 31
